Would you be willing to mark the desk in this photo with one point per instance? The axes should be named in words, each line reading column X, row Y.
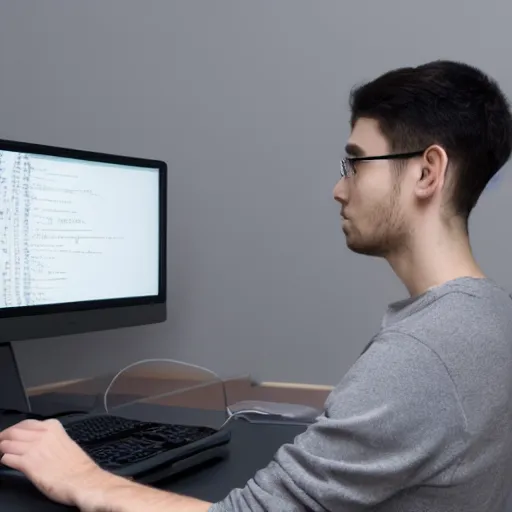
column 210, row 483
column 251, row 448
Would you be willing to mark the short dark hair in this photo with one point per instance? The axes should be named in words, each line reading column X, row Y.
column 451, row 104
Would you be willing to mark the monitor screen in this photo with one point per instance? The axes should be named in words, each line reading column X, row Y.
column 79, row 231
column 75, row 230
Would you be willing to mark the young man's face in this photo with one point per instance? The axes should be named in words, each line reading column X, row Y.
column 373, row 218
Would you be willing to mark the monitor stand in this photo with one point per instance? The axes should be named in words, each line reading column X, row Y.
column 12, row 390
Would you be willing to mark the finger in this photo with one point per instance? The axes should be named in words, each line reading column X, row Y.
column 12, row 461
column 18, row 434
column 14, row 447
column 31, row 425
column 24, row 425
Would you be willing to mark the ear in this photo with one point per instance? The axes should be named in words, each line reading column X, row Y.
column 433, row 170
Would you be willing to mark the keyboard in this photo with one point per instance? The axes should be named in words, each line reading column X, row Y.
column 145, row 451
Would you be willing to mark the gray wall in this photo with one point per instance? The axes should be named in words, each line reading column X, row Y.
column 247, row 101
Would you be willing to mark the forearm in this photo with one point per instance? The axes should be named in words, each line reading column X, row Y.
column 115, row 494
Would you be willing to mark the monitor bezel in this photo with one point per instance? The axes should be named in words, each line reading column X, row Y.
column 108, row 158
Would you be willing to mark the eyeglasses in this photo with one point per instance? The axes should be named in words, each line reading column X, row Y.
column 348, row 168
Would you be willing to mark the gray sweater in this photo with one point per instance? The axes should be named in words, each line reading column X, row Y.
column 422, row 421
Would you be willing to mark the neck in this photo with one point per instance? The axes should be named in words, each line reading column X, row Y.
column 434, row 257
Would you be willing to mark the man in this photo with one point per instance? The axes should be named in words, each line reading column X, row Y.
column 423, row 420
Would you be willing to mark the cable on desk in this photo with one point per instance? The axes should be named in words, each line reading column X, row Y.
column 165, row 360
column 230, row 414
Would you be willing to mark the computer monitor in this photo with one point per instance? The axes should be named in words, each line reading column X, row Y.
column 82, row 247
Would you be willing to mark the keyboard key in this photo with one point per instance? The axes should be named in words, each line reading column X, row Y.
column 113, row 442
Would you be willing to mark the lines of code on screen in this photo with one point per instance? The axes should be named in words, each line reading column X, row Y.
column 73, row 230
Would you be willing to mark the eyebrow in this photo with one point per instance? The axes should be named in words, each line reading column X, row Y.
column 354, row 150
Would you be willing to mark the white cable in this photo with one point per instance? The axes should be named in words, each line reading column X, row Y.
column 229, row 412
column 164, row 360
column 235, row 414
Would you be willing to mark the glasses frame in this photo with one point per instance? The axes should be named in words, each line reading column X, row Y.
column 347, row 167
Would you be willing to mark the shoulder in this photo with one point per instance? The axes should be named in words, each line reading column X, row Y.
column 396, row 368
column 468, row 314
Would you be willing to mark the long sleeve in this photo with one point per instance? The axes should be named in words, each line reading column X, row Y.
column 393, row 422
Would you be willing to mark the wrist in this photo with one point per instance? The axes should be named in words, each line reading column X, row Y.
column 91, row 493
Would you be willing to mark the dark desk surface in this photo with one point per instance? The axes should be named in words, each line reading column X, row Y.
column 251, row 448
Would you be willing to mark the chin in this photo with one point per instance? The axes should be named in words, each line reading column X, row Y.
column 359, row 247
column 360, row 244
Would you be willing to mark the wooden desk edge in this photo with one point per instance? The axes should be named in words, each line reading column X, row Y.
column 46, row 388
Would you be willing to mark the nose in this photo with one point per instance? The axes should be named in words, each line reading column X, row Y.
column 340, row 191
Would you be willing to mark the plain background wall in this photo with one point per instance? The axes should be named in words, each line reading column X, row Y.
column 247, row 101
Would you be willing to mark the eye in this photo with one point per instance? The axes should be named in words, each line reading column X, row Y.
column 351, row 166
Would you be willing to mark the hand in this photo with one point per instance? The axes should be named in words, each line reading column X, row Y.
column 56, row 465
